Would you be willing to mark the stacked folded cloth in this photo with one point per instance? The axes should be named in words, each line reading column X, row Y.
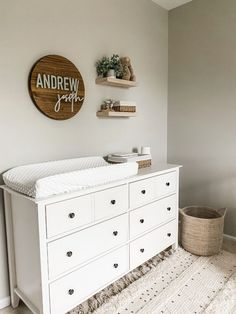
column 143, row 160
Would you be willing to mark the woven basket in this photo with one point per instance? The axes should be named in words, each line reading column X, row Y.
column 144, row 163
column 125, row 108
column 202, row 229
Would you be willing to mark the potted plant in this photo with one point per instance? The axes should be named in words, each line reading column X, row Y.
column 103, row 66
column 116, row 65
column 110, row 67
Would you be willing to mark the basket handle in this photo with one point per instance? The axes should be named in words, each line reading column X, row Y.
column 222, row 211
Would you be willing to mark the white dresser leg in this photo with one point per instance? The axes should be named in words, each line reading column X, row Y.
column 10, row 249
column 14, row 300
column 175, row 246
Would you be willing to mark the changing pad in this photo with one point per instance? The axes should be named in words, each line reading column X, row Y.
column 57, row 177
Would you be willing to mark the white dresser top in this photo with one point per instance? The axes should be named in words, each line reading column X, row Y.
column 155, row 169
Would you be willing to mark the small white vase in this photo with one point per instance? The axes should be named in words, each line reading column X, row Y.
column 111, row 73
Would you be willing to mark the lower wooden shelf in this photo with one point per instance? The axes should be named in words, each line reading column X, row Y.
column 116, row 114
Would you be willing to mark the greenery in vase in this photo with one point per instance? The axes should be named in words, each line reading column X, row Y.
column 116, row 65
column 103, row 66
column 106, row 64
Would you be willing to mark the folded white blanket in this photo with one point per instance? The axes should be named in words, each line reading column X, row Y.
column 56, row 177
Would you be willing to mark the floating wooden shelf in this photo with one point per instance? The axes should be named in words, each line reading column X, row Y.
column 115, row 114
column 110, row 81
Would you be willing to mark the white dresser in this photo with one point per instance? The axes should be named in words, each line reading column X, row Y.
column 65, row 248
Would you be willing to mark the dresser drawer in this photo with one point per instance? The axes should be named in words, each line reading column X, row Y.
column 152, row 243
column 149, row 216
column 72, row 250
column 166, row 184
column 71, row 290
column 67, row 215
column 145, row 191
column 142, row 192
column 111, row 202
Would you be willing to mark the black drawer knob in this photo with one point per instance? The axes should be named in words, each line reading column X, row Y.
column 115, row 265
column 169, row 234
column 113, row 202
column 167, row 183
column 115, row 233
column 143, row 191
column 169, row 209
column 71, row 291
column 69, row 254
column 142, row 250
column 141, row 221
column 72, row 215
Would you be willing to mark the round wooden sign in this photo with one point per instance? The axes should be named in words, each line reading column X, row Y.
column 56, row 87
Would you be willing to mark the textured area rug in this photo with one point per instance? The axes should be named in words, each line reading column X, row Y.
column 90, row 305
column 181, row 283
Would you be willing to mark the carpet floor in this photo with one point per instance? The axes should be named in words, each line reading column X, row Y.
column 178, row 283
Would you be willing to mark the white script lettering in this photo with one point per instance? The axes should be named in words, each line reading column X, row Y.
column 71, row 98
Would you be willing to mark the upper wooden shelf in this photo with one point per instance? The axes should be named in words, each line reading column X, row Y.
column 110, row 81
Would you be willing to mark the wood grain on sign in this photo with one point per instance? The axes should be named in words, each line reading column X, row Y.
column 56, row 87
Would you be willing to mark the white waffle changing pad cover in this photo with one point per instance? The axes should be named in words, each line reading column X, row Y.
column 64, row 176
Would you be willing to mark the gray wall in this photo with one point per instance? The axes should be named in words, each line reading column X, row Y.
column 82, row 31
column 202, row 106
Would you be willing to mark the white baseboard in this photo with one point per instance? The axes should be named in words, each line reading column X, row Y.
column 229, row 237
column 5, row 302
